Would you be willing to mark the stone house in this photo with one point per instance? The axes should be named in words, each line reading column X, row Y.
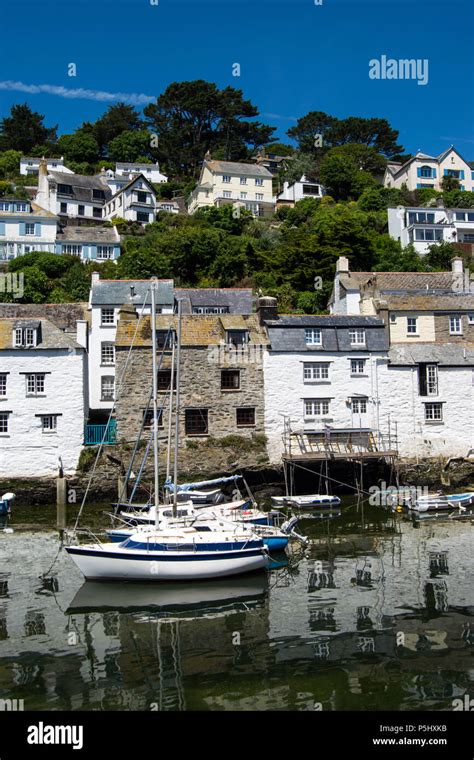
column 221, row 385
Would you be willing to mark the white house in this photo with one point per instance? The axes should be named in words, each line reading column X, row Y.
column 105, row 300
column 135, row 201
column 150, row 171
column 72, row 195
column 240, row 185
column 30, row 165
column 43, row 397
column 321, row 373
column 168, row 206
column 25, row 227
column 296, row 191
column 89, row 243
column 422, row 227
column 427, row 171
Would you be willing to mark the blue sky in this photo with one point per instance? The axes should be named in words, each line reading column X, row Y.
column 295, row 57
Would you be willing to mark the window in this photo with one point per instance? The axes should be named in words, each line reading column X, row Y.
column 455, row 325
column 107, row 316
column 243, row 180
column 164, row 339
column 148, row 418
column 464, row 216
column 259, row 196
column 29, row 229
column 237, row 338
column 433, row 412
column 210, row 309
column 34, row 384
column 97, row 212
column 245, row 417
column 428, row 234
column 196, row 422
column 421, row 217
column 359, row 405
column 98, row 195
column 4, row 422
column 49, row 423
column 63, row 208
column 316, row 407
column 75, row 250
column 80, row 210
column 25, row 337
column 457, row 173
column 358, row 366
column 107, row 353
column 3, row 384
column 105, row 252
column 107, row 385
column 412, row 325
column 163, row 378
column 315, row 371
column 357, row 337
column 142, row 216
column 65, row 189
column 428, row 379
column 243, row 196
column 4, row 206
column 312, row 336
column 226, row 178
column 230, row 379
column 227, row 194
column 470, row 319
column 259, row 182
column 142, row 197
column 425, row 171
column 310, row 189
column 21, row 207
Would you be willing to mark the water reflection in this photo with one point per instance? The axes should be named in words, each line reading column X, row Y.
column 374, row 613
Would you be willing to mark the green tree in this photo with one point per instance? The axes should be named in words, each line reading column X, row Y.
column 338, row 175
column 439, row 256
column 129, row 146
column 307, row 127
column 79, row 146
column 10, row 164
column 118, row 118
column 23, row 129
column 449, row 183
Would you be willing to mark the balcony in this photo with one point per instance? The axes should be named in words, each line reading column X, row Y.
column 94, row 435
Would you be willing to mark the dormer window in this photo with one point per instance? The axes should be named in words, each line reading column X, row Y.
column 25, row 337
column 64, row 189
column 237, row 338
column 357, row 337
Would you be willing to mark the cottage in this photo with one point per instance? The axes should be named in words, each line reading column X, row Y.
column 135, row 202
column 29, row 165
column 25, row 227
column 89, row 243
column 74, row 196
column 41, row 426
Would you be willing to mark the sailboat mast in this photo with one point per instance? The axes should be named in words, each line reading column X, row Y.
column 155, row 397
column 177, row 403
column 170, row 416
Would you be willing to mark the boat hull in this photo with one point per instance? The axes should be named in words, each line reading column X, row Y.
column 102, row 564
column 274, row 543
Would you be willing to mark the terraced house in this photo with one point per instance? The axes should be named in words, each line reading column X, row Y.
column 221, row 374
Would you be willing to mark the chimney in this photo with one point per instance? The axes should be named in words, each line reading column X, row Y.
column 95, row 278
column 342, row 264
column 127, row 313
column 42, row 194
column 267, row 308
column 82, row 332
column 457, row 265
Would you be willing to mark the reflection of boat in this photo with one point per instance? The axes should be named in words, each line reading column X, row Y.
column 170, row 597
column 6, row 502
column 438, row 501
column 306, row 502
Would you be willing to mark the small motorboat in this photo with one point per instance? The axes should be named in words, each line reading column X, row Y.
column 6, row 503
column 306, row 502
column 437, row 501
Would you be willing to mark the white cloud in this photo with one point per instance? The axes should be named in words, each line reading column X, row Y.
column 135, row 98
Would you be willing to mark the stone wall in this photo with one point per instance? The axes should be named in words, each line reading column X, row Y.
column 442, row 330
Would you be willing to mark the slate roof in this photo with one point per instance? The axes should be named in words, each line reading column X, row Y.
column 50, row 336
column 448, row 354
column 117, row 292
column 239, row 300
column 82, row 186
column 399, row 281
column 438, row 302
column 35, row 209
column 88, row 235
column 197, row 331
column 288, row 334
column 63, row 315
column 232, row 167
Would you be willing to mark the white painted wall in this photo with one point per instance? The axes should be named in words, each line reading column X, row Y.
column 26, row 451
column 13, row 244
column 150, row 171
column 410, row 178
column 31, row 165
column 220, row 190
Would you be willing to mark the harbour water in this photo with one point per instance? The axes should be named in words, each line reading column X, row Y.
column 377, row 613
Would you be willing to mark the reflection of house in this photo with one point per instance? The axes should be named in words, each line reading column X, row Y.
column 296, row 191
column 25, row 227
column 224, row 183
column 428, row 171
column 39, row 422
column 221, row 384
column 423, row 227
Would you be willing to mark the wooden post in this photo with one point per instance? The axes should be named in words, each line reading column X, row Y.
column 61, row 503
column 122, row 488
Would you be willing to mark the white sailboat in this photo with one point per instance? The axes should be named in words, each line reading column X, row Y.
column 173, row 552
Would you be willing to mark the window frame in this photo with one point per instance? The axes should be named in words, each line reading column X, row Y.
column 103, row 345
column 196, row 412
column 458, row 319
column 316, row 372
column 230, row 388
column 314, row 331
column 244, row 410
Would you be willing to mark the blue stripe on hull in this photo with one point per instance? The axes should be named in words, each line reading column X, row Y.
column 164, row 557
